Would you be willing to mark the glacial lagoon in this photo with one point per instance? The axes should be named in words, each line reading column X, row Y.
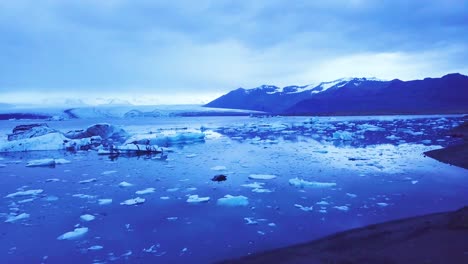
column 289, row 180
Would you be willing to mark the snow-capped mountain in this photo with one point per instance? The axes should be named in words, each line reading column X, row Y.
column 354, row 96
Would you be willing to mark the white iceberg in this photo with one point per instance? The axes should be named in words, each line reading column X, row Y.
column 75, row 234
column 25, row 193
column 304, row 208
column 167, row 138
column 145, row 191
column 300, row 183
column 104, row 201
column 13, row 218
column 87, row 217
column 196, row 199
column 342, row 208
column 41, row 163
column 261, row 176
column 230, row 200
column 133, row 201
column 125, row 184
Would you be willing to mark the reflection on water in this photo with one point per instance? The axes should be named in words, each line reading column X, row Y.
column 346, row 173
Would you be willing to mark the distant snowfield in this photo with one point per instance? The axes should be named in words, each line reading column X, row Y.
column 288, row 180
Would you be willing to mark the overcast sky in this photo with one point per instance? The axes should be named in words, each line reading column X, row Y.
column 192, row 51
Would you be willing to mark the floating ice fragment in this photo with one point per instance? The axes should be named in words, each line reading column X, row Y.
column 87, row 181
column 352, row 195
column 196, row 199
column 87, row 217
column 13, row 218
column 255, row 185
column 133, row 201
column 125, row 184
column 108, row 172
column 382, row 204
column 61, row 161
column 75, row 234
column 104, row 201
column 27, row 200
column 342, row 208
column 172, row 218
column 250, row 221
column 322, row 203
column 172, row 189
column 218, row 168
column 230, row 200
column 190, row 155
column 300, row 183
column 261, row 190
column 41, row 163
column 84, row 196
column 343, row 135
column 96, row 247
column 261, row 176
column 164, row 198
column 414, row 182
column 261, row 233
column 25, row 193
column 304, row 208
column 145, row 191
column 272, row 224
column 52, row 180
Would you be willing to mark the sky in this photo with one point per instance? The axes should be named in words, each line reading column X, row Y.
column 173, row 52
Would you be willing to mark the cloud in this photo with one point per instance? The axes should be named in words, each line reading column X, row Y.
column 210, row 47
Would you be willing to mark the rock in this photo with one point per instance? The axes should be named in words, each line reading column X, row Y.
column 219, row 178
column 30, row 131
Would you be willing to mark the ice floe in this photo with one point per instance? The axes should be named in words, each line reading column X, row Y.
column 230, row 200
column 25, row 193
column 13, row 217
column 87, row 217
column 46, row 162
column 304, row 208
column 342, row 208
column 95, row 248
column 250, row 221
column 261, row 176
column 133, row 201
column 261, row 190
column 108, row 172
column 75, row 234
column 125, row 184
column 254, row 185
column 218, row 168
column 300, row 183
column 196, row 199
column 104, row 201
column 84, row 196
column 87, row 181
column 146, row 191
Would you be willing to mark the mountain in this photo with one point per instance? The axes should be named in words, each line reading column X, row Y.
column 355, row 96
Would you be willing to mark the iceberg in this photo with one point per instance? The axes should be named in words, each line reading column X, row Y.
column 342, row 208
column 343, row 135
column 25, row 193
column 261, row 176
column 167, row 139
column 218, row 168
column 300, row 183
column 13, row 218
column 145, row 191
column 87, row 181
column 196, row 199
column 304, row 208
column 75, row 234
column 104, row 201
column 230, row 200
column 87, row 217
column 125, row 184
column 134, row 201
column 255, row 185
column 46, row 162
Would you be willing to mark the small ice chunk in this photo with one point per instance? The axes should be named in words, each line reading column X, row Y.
column 343, row 135
column 52, row 180
column 164, row 198
column 304, row 208
column 87, row 181
column 145, row 191
column 25, row 193
column 322, row 203
column 125, row 184
column 230, row 200
column 261, row 190
column 382, row 204
column 191, row 155
column 41, row 163
column 255, row 185
column 104, row 201
column 133, row 201
column 352, row 195
column 84, row 196
column 96, row 247
column 172, row 190
column 196, row 199
column 13, row 218
column 75, row 234
column 261, row 176
column 218, row 168
column 62, row 161
column 272, row 224
column 173, row 218
column 414, row 182
column 108, row 172
column 250, row 221
column 342, row 208
column 87, row 217
column 300, row 183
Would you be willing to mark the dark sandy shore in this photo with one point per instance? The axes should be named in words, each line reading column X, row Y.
column 454, row 155
column 436, row 238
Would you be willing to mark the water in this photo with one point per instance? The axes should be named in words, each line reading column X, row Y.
column 380, row 175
